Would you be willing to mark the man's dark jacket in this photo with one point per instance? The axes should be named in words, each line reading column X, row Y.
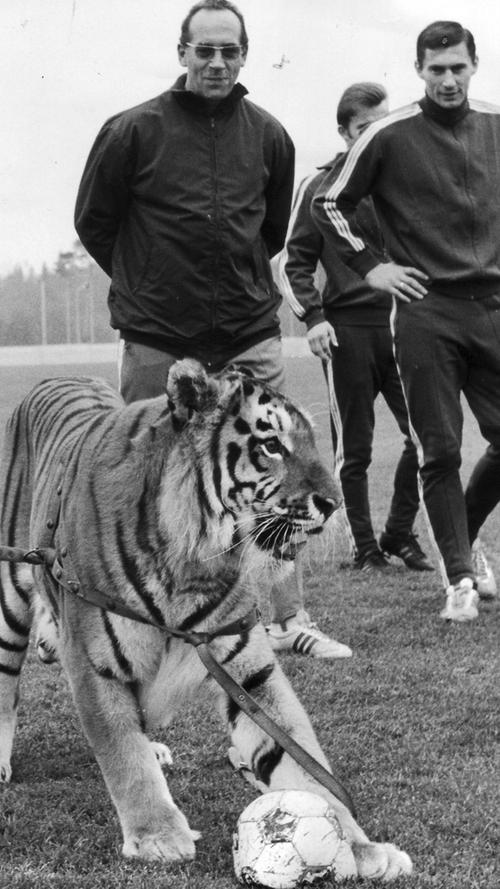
column 183, row 206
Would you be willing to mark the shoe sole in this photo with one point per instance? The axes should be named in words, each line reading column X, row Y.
column 288, row 649
column 331, row 657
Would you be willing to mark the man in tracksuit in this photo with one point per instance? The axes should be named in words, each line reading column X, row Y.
column 433, row 170
column 182, row 202
column 348, row 324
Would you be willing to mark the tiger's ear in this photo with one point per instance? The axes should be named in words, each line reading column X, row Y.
column 190, row 391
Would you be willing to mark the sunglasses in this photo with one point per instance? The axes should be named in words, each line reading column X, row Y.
column 205, row 51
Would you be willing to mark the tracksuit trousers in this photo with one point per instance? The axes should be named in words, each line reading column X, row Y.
column 363, row 368
column 445, row 346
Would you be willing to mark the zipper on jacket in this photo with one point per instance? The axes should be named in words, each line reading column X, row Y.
column 216, row 256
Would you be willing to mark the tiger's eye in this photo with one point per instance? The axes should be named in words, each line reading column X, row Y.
column 272, row 446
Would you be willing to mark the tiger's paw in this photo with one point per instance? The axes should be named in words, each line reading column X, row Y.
column 162, row 753
column 381, row 861
column 174, row 846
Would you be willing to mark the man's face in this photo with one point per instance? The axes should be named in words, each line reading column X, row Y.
column 212, row 78
column 361, row 120
column 446, row 73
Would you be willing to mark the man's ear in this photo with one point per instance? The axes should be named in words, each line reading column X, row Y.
column 181, row 55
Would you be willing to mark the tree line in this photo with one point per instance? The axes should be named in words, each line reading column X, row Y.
column 63, row 304
column 68, row 304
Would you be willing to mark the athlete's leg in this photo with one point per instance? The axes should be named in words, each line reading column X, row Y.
column 482, row 391
column 430, row 356
column 356, row 384
column 405, row 500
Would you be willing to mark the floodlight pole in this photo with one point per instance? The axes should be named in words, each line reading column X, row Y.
column 43, row 310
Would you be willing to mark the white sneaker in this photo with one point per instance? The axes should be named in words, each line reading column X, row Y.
column 302, row 636
column 485, row 579
column 461, row 601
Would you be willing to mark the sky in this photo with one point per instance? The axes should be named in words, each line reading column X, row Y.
column 67, row 65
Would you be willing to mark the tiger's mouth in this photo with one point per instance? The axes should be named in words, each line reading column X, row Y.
column 282, row 538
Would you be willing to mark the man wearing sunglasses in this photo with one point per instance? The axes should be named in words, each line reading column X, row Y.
column 183, row 201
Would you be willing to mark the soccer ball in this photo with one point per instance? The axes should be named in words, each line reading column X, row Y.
column 286, row 838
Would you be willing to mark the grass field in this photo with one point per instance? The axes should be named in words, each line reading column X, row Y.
column 411, row 722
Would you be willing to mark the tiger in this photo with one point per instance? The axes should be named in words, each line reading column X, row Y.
column 171, row 507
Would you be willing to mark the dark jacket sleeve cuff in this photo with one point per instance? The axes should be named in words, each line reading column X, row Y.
column 316, row 316
column 364, row 262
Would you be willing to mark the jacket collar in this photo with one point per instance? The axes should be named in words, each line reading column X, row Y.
column 447, row 117
column 198, row 104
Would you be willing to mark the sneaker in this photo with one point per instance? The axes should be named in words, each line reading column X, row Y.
column 486, row 584
column 302, row 636
column 406, row 548
column 373, row 560
column 461, row 601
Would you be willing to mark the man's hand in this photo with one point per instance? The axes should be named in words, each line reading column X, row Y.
column 321, row 338
column 402, row 281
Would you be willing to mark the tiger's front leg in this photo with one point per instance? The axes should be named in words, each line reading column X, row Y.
column 153, row 827
column 258, row 671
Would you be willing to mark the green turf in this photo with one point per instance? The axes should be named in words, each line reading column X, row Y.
column 411, row 722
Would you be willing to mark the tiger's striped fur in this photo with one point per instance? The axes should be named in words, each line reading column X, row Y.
column 169, row 505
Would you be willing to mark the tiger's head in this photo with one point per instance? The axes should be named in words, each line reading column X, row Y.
column 258, row 476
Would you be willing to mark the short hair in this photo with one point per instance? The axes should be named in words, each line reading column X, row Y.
column 358, row 96
column 440, row 35
column 213, row 4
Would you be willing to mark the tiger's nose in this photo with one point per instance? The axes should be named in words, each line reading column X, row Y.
column 326, row 505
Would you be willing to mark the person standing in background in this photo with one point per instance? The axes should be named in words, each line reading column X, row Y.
column 349, row 325
column 433, row 171
column 183, row 201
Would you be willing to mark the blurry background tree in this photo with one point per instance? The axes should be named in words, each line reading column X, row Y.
column 66, row 304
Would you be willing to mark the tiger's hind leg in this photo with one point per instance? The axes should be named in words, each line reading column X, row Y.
column 15, row 623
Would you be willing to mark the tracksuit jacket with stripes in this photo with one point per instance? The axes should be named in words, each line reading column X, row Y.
column 183, row 206
column 404, row 161
column 343, row 293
